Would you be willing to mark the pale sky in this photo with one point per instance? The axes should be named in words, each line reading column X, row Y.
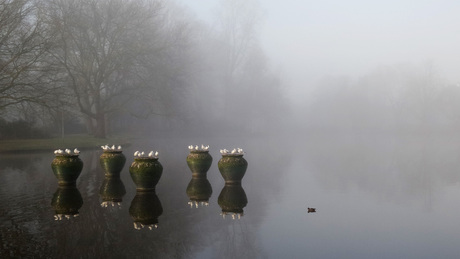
column 308, row 40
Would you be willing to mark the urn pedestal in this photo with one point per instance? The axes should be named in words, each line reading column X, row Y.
column 67, row 168
column 112, row 162
column 146, row 172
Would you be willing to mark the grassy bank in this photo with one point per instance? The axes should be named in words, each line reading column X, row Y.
column 81, row 142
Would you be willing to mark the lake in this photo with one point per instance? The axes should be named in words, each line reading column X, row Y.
column 375, row 197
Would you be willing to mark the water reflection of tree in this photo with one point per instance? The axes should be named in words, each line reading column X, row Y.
column 23, row 195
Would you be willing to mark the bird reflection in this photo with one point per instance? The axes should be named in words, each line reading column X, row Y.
column 145, row 209
column 199, row 191
column 111, row 192
column 66, row 202
column 232, row 199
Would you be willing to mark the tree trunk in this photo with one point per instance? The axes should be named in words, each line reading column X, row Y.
column 100, row 126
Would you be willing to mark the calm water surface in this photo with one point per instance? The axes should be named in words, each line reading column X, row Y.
column 376, row 197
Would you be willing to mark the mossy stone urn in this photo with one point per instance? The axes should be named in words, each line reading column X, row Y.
column 145, row 208
column 232, row 199
column 67, row 200
column 67, row 168
column 232, row 167
column 146, row 172
column 199, row 162
column 112, row 162
column 112, row 189
column 199, row 190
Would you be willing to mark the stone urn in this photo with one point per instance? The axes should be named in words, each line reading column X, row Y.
column 199, row 191
column 232, row 167
column 66, row 201
column 112, row 162
column 232, row 199
column 145, row 209
column 199, row 161
column 112, row 190
column 146, row 172
column 67, row 168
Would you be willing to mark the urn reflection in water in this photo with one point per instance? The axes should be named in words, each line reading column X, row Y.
column 66, row 202
column 199, row 191
column 232, row 199
column 145, row 209
column 111, row 192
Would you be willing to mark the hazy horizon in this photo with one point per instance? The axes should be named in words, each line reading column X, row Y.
column 306, row 41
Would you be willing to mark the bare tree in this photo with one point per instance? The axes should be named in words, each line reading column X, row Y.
column 105, row 48
column 22, row 46
column 238, row 24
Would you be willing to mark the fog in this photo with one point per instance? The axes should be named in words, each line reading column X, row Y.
column 309, row 40
column 240, row 67
column 347, row 106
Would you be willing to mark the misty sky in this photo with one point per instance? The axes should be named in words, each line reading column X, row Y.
column 307, row 40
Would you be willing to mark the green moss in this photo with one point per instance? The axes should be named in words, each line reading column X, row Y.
column 112, row 163
column 67, row 169
column 199, row 162
column 146, row 172
column 232, row 168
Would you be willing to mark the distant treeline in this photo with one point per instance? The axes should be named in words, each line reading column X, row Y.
column 395, row 99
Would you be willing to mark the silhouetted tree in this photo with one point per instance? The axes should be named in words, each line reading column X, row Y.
column 105, row 49
column 22, row 46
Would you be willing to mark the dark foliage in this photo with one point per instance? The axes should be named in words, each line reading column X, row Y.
column 20, row 129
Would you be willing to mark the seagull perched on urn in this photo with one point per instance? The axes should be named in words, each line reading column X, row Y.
column 136, row 153
column 76, row 151
column 151, row 154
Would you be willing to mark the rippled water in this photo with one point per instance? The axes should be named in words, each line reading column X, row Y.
column 376, row 197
